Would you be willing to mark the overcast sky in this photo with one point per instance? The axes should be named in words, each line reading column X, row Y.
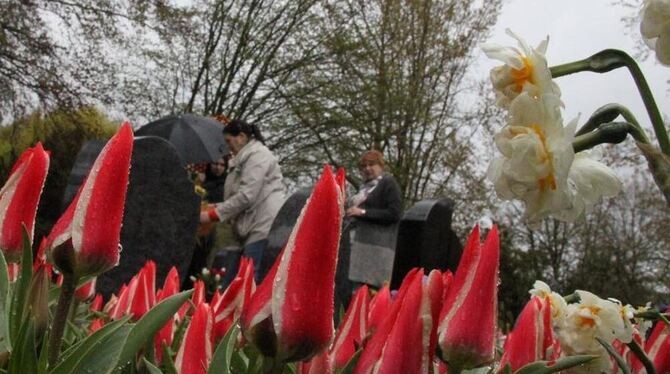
column 578, row 29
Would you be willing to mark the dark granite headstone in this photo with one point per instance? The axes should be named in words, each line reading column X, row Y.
column 160, row 216
column 82, row 164
column 282, row 226
column 425, row 239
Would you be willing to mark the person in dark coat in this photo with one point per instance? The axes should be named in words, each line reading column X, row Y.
column 369, row 230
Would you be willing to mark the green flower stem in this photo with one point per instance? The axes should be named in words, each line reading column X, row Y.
column 610, row 59
column 608, row 113
column 639, row 352
column 60, row 319
column 272, row 366
column 613, row 132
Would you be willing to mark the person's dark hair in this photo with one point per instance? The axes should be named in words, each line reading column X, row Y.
column 237, row 126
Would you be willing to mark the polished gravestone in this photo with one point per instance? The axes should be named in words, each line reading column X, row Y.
column 160, row 216
column 426, row 239
column 282, row 226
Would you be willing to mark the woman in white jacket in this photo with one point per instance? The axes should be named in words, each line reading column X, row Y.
column 253, row 191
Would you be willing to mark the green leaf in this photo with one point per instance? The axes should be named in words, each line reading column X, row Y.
column 542, row 367
column 72, row 357
column 224, row 352
column 22, row 288
column 615, row 355
column 5, row 344
column 151, row 368
column 145, row 329
column 24, row 357
column 351, row 365
column 290, row 368
column 168, row 363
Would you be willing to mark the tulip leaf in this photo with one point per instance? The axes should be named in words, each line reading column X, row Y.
column 224, row 352
column 24, row 357
column 22, row 287
column 543, row 367
column 145, row 329
column 151, row 368
column 290, row 368
column 351, row 364
column 98, row 341
column 168, row 362
column 5, row 343
column 615, row 355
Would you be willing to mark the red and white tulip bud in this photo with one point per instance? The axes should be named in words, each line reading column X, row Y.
column 86, row 291
column 532, row 338
column 352, row 330
column 658, row 347
column 19, row 198
column 290, row 316
column 195, row 352
column 468, row 318
column 85, row 240
column 229, row 306
column 379, row 308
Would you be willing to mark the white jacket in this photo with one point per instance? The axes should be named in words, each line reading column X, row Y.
column 253, row 192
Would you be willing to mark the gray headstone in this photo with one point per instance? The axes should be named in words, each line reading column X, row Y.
column 426, row 239
column 82, row 164
column 160, row 216
column 282, row 226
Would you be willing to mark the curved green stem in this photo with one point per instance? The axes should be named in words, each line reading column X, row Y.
column 611, row 59
column 613, row 132
column 608, row 113
column 642, row 356
column 60, row 318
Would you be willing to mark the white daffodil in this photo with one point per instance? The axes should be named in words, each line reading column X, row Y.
column 558, row 305
column 525, row 70
column 655, row 28
column 594, row 317
column 536, row 157
column 589, row 180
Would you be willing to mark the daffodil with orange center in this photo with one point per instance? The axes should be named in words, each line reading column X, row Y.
column 525, row 70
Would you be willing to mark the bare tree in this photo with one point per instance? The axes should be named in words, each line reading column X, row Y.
column 392, row 76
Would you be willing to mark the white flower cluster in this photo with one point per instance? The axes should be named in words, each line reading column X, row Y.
column 655, row 28
column 538, row 165
column 577, row 325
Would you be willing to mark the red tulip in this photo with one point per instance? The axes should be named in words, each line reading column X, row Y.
column 85, row 240
column 86, row 291
column 229, row 306
column 373, row 348
column 166, row 334
column 352, row 329
column 198, row 296
column 532, row 338
column 13, row 270
column 468, row 318
column 19, row 198
column 96, row 325
column 411, row 344
column 319, row 364
column 379, row 308
column 122, row 305
column 96, row 304
column 290, row 317
column 144, row 295
column 195, row 352
column 658, row 347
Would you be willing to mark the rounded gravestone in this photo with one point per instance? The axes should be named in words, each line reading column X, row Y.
column 160, row 216
column 426, row 239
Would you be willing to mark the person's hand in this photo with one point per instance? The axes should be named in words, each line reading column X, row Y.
column 355, row 212
column 208, row 214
